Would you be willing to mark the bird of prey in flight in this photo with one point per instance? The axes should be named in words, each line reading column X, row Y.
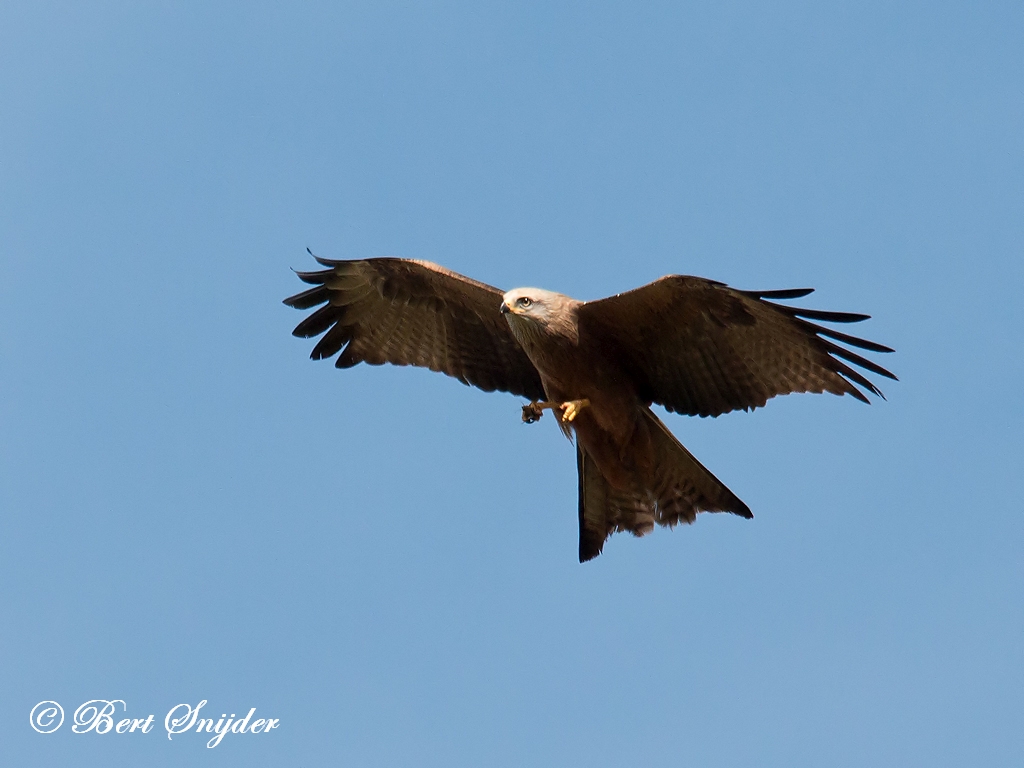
column 692, row 345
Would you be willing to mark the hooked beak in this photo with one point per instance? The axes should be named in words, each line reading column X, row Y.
column 504, row 308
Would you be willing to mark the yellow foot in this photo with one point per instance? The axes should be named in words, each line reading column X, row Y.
column 571, row 409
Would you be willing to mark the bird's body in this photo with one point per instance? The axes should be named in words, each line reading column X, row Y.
column 573, row 371
column 693, row 345
column 633, row 472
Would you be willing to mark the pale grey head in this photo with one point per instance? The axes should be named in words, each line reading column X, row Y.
column 533, row 312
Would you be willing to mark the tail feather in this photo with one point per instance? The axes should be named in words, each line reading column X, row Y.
column 673, row 490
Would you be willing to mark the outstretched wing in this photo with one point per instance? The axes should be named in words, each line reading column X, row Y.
column 698, row 347
column 408, row 312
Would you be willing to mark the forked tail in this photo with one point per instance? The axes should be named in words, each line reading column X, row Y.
column 673, row 490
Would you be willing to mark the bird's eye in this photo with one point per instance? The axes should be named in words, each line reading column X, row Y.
column 524, row 301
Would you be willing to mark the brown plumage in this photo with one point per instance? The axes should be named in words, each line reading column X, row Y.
column 692, row 345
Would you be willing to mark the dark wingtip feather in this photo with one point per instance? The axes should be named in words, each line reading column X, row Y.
column 786, row 293
column 861, row 396
column 322, row 260
column 308, row 298
column 331, row 342
column 856, row 378
column 828, row 317
column 318, row 322
column 347, row 358
column 856, row 359
column 854, row 341
column 315, row 278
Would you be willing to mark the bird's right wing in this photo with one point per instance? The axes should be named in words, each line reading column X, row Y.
column 698, row 347
column 408, row 312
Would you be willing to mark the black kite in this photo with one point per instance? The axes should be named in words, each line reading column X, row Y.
column 693, row 345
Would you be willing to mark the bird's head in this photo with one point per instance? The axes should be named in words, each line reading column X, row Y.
column 534, row 312
column 534, row 304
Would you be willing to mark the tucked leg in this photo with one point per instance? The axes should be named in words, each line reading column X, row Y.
column 570, row 409
column 535, row 410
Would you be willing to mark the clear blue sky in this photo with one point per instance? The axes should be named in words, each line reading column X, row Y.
column 384, row 559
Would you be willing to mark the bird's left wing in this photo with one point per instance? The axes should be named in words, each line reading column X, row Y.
column 698, row 347
column 408, row 312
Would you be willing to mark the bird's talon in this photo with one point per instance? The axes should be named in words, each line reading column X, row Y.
column 532, row 413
